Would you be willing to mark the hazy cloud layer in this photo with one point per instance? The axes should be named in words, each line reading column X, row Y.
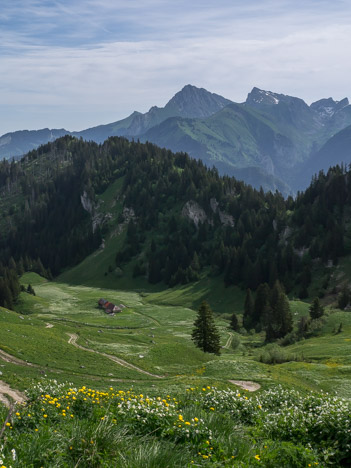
column 76, row 64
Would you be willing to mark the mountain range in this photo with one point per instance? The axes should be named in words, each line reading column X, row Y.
column 271, row 140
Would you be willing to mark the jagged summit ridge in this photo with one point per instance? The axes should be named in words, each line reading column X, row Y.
column 328, row 107
column 258, row 97
column 196, row 102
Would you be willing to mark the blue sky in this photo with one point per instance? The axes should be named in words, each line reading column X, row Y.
column 80, row 63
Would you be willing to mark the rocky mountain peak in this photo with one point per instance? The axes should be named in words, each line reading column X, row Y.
column 196, row 102
column 259, row 96
column 328, row 107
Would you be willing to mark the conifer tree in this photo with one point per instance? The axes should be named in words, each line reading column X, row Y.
column 30, row 290
column 5, row 295
column 285, row 314
column 261, row 306
column 205, row 334
column 234, row 323
column 248, row 316
column 316, row 310
column 303, row 326
column 278, row 321
column 344, row 298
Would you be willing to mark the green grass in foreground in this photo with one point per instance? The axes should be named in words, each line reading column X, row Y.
column 61, row 426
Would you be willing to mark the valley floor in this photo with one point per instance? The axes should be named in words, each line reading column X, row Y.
column 61, row 333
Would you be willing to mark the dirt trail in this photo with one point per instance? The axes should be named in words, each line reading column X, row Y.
column 13, row 360
column 229, row 341
column 246, row 385
column 73, row 341
column 156, row 322
column 8, row 394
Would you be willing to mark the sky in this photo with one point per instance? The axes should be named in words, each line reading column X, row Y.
column 75, row 64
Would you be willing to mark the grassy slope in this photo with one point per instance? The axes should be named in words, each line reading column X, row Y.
column 154, row 332
column 157, row 338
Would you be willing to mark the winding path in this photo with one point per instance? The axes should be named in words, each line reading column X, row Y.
column 13, row 360
column 229, row 341
column 73, row 341
column 8, row 395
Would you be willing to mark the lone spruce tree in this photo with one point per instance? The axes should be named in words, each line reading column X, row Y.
column 316, row 310
column 278, row 320
column 248, row 316
column 205, row 334
column 234, row 323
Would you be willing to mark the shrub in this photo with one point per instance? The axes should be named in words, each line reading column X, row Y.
column 274, row 354
column 236, row 342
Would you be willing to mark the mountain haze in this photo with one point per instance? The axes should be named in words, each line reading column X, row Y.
column 271, row 140
column 190, row 102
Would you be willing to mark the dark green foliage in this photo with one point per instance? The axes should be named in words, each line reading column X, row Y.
column 9, row 287
column 272, row 311
column 274, row 354
column 248, row 316
column 262, row 306
column 303, row 327
column 234, row 323
column 205, row 334
column 49, row 223
column 30, row 290
column 316, row 310
column 277, row 318
column 344, row 298
column 303, row 294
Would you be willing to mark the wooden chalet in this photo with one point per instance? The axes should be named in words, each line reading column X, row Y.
column 109, row 307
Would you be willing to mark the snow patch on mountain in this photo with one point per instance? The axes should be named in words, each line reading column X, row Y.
column 327, row 108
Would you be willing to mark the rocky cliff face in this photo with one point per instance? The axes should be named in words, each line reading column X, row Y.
column 97, row 217
column 195, row 213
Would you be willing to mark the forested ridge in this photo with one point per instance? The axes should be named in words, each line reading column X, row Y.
column 42, row 218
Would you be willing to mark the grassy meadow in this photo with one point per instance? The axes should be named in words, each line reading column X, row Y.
column 140, row 394
column 152, row 338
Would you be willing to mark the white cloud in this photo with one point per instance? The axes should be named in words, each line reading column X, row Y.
column 95, row 74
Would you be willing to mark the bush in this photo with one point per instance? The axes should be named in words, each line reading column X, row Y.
column 289, row 339
column 274, row 354
column 236, row 342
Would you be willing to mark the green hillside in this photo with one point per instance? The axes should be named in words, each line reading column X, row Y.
column 138, row 385
column 152, row 338
column 234, row 138
column 136, row 216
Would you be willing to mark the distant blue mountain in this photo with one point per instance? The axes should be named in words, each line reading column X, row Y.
column 271, row 140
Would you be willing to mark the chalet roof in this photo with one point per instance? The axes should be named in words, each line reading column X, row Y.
column 109, row 306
